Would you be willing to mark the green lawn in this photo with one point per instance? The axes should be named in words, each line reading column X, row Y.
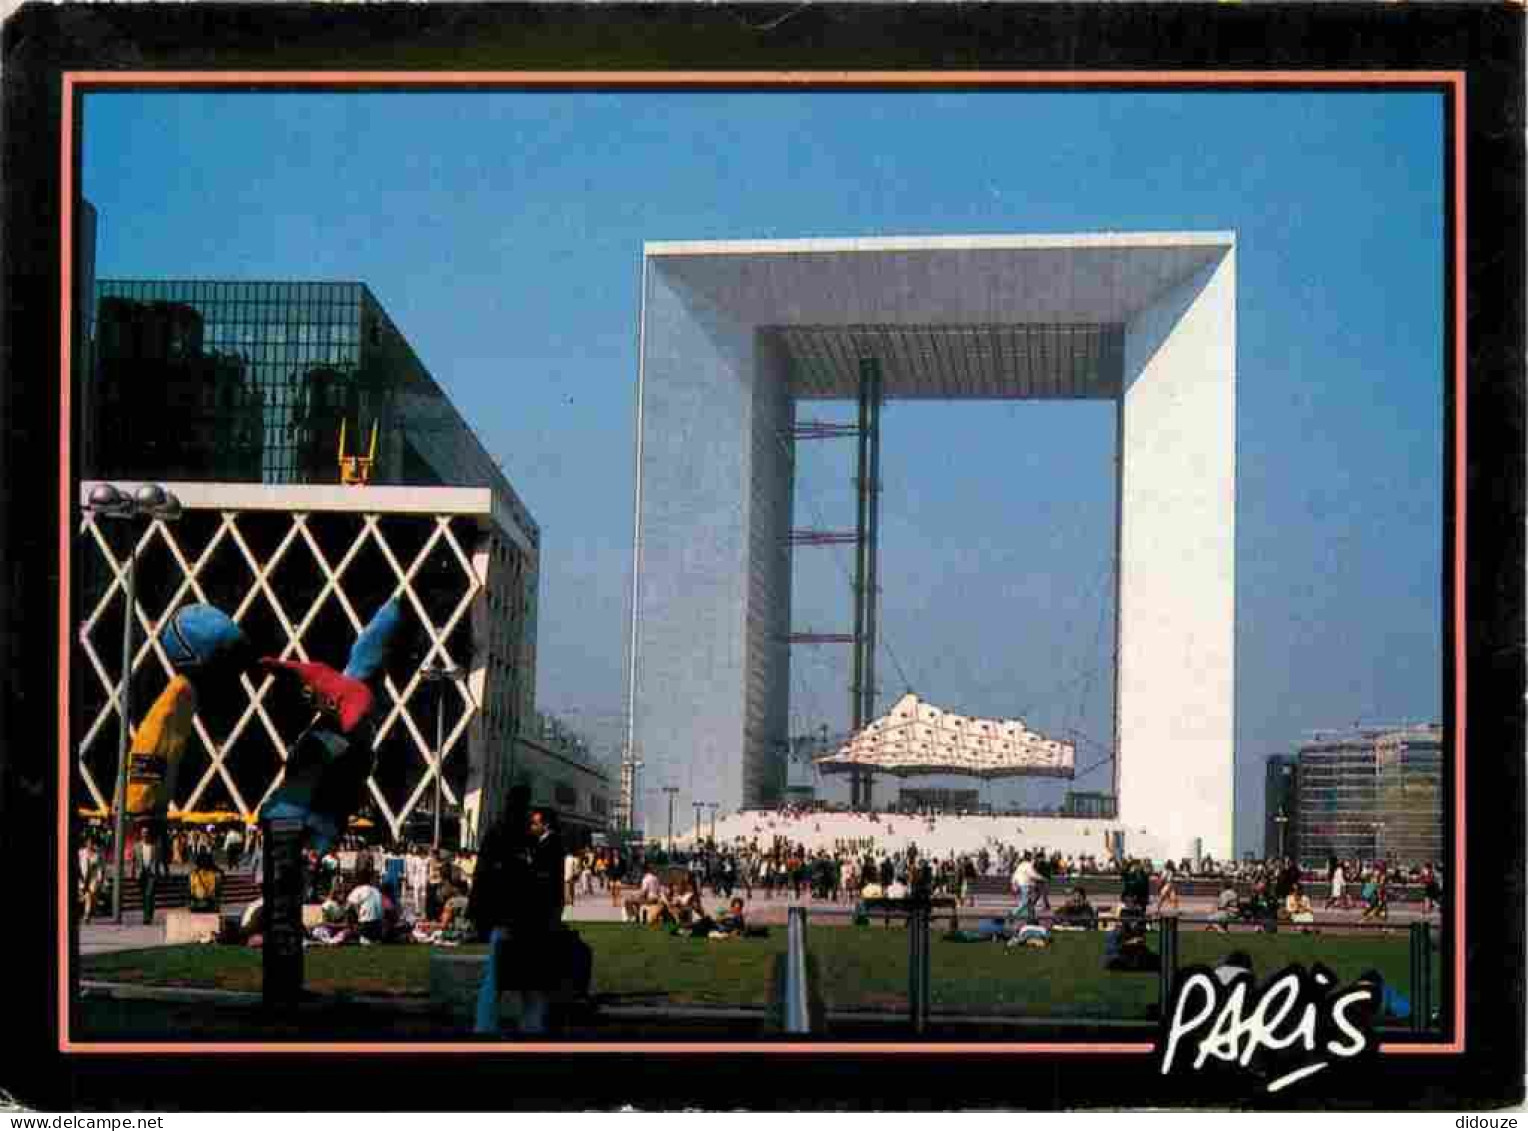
column 859, row 968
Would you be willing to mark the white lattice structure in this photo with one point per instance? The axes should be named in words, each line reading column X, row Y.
column 916, row 737
column 302, row 569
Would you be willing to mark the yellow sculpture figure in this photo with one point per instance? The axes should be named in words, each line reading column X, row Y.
column 157, row 749
column 355, row 471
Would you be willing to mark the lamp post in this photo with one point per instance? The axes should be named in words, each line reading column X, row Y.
column 438, row 673
column 1281, row 820
column 671, row 790
column 698, row 806
column 713, row 806
column 1379, row 840
column 151, row 501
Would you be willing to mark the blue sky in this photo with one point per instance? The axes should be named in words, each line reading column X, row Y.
column 503, row 234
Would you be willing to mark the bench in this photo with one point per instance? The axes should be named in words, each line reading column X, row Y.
column 903, row 908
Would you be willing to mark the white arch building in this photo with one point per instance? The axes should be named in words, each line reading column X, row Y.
column 734, row 334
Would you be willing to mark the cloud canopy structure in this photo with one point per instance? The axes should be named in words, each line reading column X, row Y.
column 916, row 738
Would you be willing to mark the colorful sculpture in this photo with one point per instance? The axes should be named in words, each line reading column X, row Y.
column 329, row 763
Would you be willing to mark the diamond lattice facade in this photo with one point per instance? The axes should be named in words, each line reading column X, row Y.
column 302, row 569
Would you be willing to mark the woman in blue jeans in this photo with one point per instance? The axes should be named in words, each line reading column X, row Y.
column 500, row 881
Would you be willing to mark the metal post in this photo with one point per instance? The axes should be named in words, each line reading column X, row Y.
column 798, row 1016
column 872, row 370
column 699, row 805
column 124, row 703
column 918, row 965
column 440, row 744
column 862, row 690
column 1167, row 929
column 857, row 718
column 1421, row 976
column 671, row 790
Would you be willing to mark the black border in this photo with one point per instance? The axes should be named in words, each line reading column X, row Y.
column 42, row 41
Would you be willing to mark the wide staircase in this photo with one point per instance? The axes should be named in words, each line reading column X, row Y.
column 174, row 891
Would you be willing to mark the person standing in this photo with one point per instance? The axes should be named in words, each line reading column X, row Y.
column 1337, row 880
column 92, row 872
column 496, row 904
column 543, row 919
column 233, row 844
column 146, row 860
column 570, row 870
column 1024, row 885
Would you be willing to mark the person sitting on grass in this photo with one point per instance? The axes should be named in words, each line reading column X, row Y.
column 734, row 922
column 649, row 897
column 364, row 910
column 1076, row 914
column 1260, row 908
column 677, row 908
column 1227, row 908
column 1297, row 906
column 206, row 884
column 1125, row 946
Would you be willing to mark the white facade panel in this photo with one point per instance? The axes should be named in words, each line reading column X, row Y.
column 689, row 668
column 1177, row 565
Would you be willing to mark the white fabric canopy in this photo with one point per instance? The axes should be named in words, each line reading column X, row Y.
column 915, row 737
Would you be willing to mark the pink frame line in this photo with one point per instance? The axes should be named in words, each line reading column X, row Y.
column 79, row 82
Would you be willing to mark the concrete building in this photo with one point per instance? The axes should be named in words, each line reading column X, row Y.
column 735, row 334
column 1372, row 793
column 563, row 773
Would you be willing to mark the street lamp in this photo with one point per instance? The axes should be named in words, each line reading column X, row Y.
column 671, row 790
column 713, row 806
column 153, row 502
column 1281, row 820
column 438, row 672
column 698, row 805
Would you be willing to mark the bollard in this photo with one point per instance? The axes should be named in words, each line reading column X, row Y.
column 282, row 886
column 1167, row 970
column 798, row 1017
column 1421, row 976
column 918, row 966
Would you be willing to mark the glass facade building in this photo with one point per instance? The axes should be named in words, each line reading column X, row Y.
column 1372, row 794
column 249, row 382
